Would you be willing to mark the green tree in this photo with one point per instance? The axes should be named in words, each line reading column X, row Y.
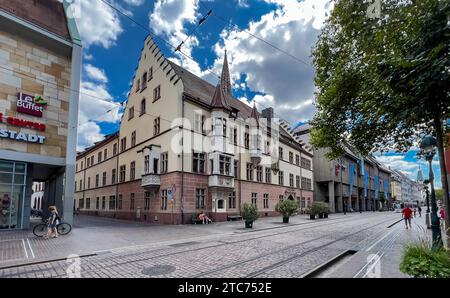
column 383, row 83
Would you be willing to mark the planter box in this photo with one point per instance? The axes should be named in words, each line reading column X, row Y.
column 285, row 219
column 249, row 224
column 312, row 216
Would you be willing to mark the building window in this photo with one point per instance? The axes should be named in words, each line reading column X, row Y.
column 200, row 198
column 280, row 153
column 138, row 85
column 113, row 176
column 235, row 136
column 92, row 160
column 306, row 163
column 146, row 164
column 81, row 204
column 250, row 171
column 97, row 203
column 112, row 202
column 254, row 198
column 266, row 201
column 131, row 113
column 280, row 178
column 164, row 162
column 81, row 164
column 224, row 165
column 122, row 170
column 81, row 184
column 157, row 93
column 280, row 198
column 259, row 174
column 123, row 144
column 132, row 201
column 306, row 183
column 303, row 203
column 199, row 123
column 88, row 162
column 291, row 157
column 156, row 126
column 114, row 149
column 198, row 162
column 105, row 154
column 89, row 183
column 232, row 200
column 236, row 168
column 147, row 200
column 99, row 157
column 144, row 81
column 224, row 129
column 150, row 73
column 143, row 108
column 297, row 181
column 268, row 176
column 297, row 159
column 132, row 170
column 97, row 178
column 164, row 199
column 104, row 179
column 133, row 139
column 103, row 203
column 291, row 180
column 119, row 205
column 246, row 137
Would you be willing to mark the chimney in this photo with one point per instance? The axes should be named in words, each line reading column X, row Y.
column 267, row 113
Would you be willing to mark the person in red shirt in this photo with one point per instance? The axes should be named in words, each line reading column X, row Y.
column 407, row 213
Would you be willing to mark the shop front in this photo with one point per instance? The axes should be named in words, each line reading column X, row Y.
column 13, row 180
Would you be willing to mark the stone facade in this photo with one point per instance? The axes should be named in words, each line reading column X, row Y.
column 26, row 67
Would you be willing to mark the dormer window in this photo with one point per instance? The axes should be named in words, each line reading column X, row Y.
column 150, row 73
column 144, row 81
column 138, row 85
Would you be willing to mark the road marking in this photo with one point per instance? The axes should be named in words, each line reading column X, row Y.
column 374, row 264
column 31, row 250
column 24, row 248
column 379, row 240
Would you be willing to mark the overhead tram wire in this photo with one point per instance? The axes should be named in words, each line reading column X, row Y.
column 257, row 37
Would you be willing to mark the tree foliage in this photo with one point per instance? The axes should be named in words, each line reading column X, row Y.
column 381, row 82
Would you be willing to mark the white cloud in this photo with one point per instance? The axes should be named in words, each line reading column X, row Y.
column 134, row 2
column 95, row 73
column 88, row 134
column 243, row 3
column 287, row 83
column 99, row 24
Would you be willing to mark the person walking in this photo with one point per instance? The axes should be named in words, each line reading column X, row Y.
column 345, row 208
column 52, row 222
column 414, row 210
column 420, row 211
column 407, row 213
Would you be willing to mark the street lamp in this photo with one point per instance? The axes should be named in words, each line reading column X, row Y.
column 428, row 150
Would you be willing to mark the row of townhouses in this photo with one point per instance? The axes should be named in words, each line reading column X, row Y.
column 406, row 190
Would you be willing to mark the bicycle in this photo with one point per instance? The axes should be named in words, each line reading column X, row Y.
column 40, row 230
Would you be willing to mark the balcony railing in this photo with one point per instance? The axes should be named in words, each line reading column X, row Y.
column 221, row 181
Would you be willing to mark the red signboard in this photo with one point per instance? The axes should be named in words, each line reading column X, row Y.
column 31, row 105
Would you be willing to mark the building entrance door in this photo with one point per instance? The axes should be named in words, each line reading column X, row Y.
column 12, row 191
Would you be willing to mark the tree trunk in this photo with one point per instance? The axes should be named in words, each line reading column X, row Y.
column 440, row 145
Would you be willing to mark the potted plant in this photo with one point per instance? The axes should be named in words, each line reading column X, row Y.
column 249, row 213
column 286, row 208
column 324, row 209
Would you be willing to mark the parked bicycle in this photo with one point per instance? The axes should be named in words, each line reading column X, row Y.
column 41, row 229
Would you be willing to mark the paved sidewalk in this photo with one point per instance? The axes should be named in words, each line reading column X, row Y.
column 92, row 235
column 382, row 256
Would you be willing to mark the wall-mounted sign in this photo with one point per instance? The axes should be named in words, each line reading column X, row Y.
column 31, row 105
column 22, row 123
column 21, row 136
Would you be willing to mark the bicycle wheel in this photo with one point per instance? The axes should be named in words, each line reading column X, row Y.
column 64, row 228
column 40, row 230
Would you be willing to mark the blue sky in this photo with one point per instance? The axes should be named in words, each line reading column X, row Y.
column 260, row 73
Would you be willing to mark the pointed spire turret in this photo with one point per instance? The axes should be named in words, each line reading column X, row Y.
column 219, row 99
column 225, row 80
column 254, row 113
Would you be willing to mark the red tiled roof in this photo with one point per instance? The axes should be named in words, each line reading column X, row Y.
column 47, row 14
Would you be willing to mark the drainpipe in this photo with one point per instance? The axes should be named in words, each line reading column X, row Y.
column 182, row 162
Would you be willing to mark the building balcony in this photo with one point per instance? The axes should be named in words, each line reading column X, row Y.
column 255, row 157
column 219, row 181
column 151, row 180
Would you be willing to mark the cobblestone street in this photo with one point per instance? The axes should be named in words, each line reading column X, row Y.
column 223, row 249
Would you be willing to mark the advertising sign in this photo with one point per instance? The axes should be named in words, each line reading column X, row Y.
column 31, row 105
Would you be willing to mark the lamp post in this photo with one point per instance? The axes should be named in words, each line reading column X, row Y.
column 428, row 149
column 427, row 194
